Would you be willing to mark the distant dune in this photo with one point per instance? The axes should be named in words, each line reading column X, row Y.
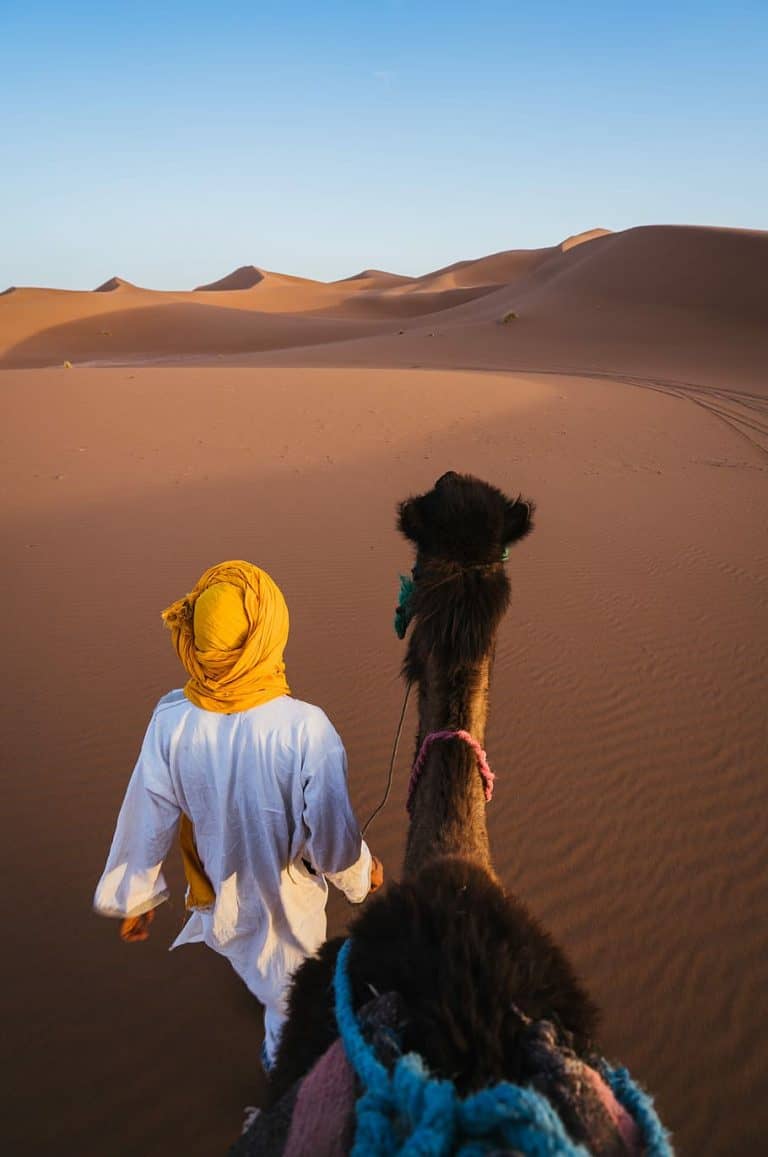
column 243, row 278
column 114, row 283
column 587, row 290
column 375, row 277
column 719, row 270
column 580, row 238
column 498, row 269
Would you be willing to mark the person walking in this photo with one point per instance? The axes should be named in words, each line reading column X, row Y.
column 254, row 781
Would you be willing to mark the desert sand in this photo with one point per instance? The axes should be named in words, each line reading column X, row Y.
column 282, row 419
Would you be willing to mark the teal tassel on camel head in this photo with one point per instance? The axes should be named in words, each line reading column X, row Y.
column 404, row 611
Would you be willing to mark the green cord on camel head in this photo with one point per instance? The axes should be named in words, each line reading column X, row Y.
column 404, row 611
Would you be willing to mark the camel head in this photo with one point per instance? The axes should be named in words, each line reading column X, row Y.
column 462, row 529
column 464, row 521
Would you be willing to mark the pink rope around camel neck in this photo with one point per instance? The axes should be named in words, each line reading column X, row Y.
column 421, row 758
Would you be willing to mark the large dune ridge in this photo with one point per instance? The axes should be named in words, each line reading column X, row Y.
column 596, row 293
column 282, row 419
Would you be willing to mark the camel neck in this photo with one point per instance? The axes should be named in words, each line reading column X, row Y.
column 448, row 807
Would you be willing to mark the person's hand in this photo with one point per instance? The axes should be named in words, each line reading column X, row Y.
column 135, row 928
column 377, row 874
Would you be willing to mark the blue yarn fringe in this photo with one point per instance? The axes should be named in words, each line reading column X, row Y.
column 410, row 1113
column 639, row 1105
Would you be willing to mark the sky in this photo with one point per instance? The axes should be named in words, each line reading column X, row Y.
column 169, row 143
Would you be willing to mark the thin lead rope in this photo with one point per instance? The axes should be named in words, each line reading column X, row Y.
column 398, row 733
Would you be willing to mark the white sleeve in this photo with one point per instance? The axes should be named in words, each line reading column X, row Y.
column 354, row 882
column 133, row 881
column 333, row 843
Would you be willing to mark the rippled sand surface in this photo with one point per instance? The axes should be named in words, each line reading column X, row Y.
column 627, row 725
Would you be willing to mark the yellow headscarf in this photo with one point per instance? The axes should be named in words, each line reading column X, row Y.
column 230, row 633
column 238, row 616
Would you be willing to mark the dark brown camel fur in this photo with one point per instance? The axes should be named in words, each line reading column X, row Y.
column 465, row 957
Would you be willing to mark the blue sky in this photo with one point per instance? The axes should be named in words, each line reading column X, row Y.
column 170, row 142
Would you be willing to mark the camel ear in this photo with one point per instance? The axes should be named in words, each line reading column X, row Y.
column 409, row 521
column 518, row 520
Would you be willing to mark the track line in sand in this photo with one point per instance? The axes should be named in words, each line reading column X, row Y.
column 740, row 410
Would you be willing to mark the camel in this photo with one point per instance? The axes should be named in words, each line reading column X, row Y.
column 477, row 989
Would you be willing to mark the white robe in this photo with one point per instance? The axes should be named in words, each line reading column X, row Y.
column 265, row 789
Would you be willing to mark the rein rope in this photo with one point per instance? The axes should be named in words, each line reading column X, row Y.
column 421, row 759
column 403, row 616
column 393, row 757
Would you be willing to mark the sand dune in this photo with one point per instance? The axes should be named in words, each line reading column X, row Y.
column 405, row 306
column 580, row 311
column 113, row 284
column 243, row 278
column 709, row 273
column 375, row 278
column 42, row 327
column 580, row 238
column 173, row 329
column 595, row 283
column 498, row 269
column 627, row 728
column 717, row 270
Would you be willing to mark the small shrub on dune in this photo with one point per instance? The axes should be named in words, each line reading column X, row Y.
column 508, row 317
